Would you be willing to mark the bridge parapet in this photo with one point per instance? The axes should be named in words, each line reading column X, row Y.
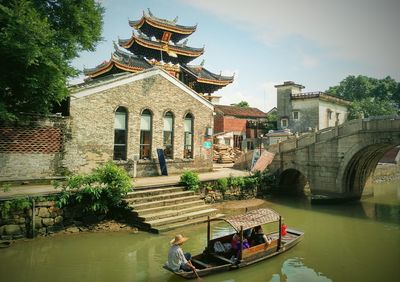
column 383, row 124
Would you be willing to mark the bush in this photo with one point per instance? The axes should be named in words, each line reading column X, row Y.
column 7, row 208
column 98, row 192
column 222, row 185
column 191, row 180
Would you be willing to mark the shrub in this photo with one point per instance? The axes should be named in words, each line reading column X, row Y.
column 222, row 185
column 236, row 181
column 7, row 208
column 98, row 192
column 191, row 180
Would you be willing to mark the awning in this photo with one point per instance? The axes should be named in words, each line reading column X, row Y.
column 253, row 218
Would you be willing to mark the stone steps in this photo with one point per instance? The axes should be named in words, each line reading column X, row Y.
column 180, row 224
column 163, row 208
column 178, row 218
column 154, row 192
column 173, row 212
column 177, row 206
column 162, row 203
column 158, row 197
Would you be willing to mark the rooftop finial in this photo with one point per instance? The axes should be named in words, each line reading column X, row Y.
column 150, row 13
column 175, row 20
column 202, row 62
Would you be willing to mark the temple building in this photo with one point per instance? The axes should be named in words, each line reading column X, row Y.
column 161, row 43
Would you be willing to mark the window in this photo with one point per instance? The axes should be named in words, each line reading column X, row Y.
column 296, row 115
column 145, row 135
column 284, row 122
column 168, row 135
column 329, row 114
column 188, row 137
column 120, row 133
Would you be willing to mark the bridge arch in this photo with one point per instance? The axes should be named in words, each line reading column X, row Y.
column 292, row 182
column 358, row 164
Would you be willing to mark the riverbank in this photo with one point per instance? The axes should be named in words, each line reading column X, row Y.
column 385, row 173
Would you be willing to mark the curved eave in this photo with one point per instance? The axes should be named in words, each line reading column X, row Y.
column 127, row 43
column 214, row 82
column 184, row 30
column 108, row 67
column 92, row 73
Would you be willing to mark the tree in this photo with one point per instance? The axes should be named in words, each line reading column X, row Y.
column 38, row 40
column 243, row 104
column 369, row 96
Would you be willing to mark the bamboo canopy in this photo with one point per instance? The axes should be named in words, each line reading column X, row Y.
column 253, row 218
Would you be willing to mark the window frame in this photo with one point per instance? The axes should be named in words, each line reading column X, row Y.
column 286, row 120
column 120, row 149
column 169, row 148
column 143, row 135
column 188, row 149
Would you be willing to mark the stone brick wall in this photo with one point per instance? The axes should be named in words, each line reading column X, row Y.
column 92, row 126
column 33, row 150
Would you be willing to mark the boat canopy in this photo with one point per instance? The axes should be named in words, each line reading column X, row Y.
column 253, row 218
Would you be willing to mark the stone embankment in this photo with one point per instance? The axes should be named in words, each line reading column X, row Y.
column 386, row 173
column 47, row 219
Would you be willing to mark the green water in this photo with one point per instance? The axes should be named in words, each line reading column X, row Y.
column 352, row 242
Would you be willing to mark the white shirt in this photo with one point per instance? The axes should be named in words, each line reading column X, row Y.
column 176, row 258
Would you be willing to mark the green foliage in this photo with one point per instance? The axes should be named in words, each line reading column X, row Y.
column 7, row 208
column 191, row 180
column 243, row 104
column 369, row 96
column 266, row 180
column 235, row 181
column 38, row 40
column 222, row 185
column 98, row 192
column 6, row 187
column 272, row 121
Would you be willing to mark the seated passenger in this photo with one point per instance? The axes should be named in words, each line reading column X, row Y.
column 236, row 244
column 259, row 237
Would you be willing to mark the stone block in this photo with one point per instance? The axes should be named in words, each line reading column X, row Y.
column 48, row 221
column 59, row 219
column 12, row 229
column 43, row 212
column 38, row 222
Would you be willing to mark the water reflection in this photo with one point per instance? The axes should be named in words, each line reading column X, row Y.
column 294, row 270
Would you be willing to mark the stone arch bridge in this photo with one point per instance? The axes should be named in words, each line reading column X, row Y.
column 337, row 161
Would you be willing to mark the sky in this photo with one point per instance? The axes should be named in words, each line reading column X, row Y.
column 316, row 43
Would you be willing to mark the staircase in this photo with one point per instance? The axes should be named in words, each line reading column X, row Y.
column 162, row 208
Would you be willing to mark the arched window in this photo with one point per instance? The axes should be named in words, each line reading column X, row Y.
column 168, row 135
column 188, row 135
column 120, row 133
column 145, row 135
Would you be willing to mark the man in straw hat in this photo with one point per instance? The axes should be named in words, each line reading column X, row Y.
column 177, row 260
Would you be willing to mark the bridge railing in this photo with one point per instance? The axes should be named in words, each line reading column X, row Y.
column 381, row 123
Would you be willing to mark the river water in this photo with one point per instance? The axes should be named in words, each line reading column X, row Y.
column 351, row 242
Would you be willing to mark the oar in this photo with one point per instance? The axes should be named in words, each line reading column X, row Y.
column 195, row 272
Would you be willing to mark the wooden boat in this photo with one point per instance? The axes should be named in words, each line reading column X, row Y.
column 211, row 261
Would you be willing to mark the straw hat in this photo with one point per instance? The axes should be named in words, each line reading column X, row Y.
column 179, row 239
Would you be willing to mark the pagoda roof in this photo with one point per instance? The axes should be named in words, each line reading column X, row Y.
column 205, row 80
column 120, row 61
column 142, row 45
column 247, row 112
column 153, row 26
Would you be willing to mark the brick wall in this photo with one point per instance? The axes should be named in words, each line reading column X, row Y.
column 234, row 124
column 218, row 123
column 41, row 140
column 32, row 151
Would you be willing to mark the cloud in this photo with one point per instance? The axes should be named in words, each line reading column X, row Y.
column 362, row 31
